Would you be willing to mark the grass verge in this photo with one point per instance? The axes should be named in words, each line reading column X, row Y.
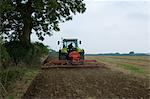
column 16, row 80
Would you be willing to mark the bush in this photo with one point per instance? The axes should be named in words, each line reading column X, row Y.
column 36, row 51
column 16, row 51
column 19, row 54
column 26, row 54
column 4, row 57
column 10, row 75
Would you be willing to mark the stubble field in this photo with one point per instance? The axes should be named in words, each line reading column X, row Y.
column 121, row 77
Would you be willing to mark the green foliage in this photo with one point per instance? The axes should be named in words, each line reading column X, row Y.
column 4, row 57
column 41, row 16
column 28, row 54
column 34, row 54
column 41, row 48
column 16, row 50
column 8, row 76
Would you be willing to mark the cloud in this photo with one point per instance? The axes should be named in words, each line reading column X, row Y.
column 108, row 26
column 138, row 16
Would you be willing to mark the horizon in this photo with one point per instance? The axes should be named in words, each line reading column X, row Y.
column 118, row 52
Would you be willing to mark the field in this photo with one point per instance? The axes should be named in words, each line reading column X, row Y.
column 121, row 77
column 136, row 65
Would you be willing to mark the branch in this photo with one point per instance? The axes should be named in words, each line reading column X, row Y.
column 3, row 87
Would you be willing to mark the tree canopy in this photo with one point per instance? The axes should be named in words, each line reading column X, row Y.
column 20, row 18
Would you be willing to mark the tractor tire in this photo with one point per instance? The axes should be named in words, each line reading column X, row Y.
column 62, row 56
column 82, row 58
column 82, row 55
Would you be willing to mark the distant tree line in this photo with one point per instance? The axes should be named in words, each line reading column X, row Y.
column 131, row 53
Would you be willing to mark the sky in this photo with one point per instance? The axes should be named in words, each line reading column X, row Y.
column 108, row 26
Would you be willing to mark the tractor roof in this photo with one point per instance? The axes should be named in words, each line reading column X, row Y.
column 70, row 39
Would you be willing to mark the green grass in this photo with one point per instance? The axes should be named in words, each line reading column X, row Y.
column 16, row 79
column 127, row 63
column 131, row 68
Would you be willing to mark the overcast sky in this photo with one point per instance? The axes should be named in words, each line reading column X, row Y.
column 108, row 26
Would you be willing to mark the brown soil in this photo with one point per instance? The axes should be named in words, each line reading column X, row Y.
column 86, row 83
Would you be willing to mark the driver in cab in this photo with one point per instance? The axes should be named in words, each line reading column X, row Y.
column 70, row 47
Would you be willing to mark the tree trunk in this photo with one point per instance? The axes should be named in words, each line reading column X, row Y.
column 26, row 12
column 26, row 32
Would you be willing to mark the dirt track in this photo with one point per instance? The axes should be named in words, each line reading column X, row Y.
column 86, row 83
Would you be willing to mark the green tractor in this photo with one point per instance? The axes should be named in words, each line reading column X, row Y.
column 70, row 50
column 70, row 56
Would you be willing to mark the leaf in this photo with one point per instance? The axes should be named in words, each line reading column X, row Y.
column 41, row 38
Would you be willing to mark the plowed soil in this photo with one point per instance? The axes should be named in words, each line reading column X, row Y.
column 86, row 83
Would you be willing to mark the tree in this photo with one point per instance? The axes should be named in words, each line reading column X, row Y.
column 20, row 18
column 131, row 53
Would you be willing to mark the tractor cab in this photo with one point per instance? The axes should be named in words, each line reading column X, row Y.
column 67, row 42
column 70, row 44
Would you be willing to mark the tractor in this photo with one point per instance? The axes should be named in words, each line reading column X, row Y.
column 70, row 56
column 71, row 51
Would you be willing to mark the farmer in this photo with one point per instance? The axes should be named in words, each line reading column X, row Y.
column 70, row 46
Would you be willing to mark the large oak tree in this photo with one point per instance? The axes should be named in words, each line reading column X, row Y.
column 19, row 18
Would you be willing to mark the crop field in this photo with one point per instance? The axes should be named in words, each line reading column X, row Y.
column 136, row 65
column 120, row 77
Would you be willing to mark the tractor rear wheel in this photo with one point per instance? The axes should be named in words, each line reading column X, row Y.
column 62, row 56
